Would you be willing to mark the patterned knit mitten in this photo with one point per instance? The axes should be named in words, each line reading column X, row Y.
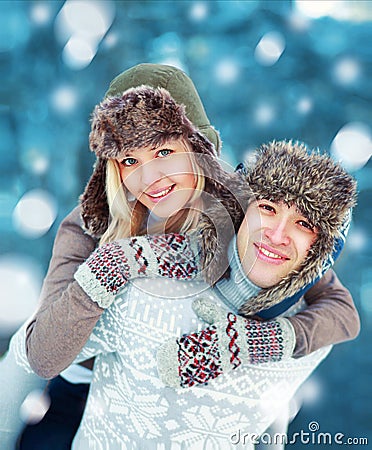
column 227, row 343
column 108, row 269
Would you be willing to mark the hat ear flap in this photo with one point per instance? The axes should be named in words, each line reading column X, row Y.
column 93, row 202
column 105, row 133
column 201, row 145
column 212, row 135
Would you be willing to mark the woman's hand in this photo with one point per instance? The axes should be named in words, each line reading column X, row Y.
column 109, row 268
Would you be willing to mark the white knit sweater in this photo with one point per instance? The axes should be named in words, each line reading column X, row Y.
column 130, row 408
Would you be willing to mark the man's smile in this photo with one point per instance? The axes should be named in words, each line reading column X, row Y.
column 269, row 254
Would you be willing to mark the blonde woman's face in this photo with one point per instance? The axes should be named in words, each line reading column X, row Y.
column 162, row 179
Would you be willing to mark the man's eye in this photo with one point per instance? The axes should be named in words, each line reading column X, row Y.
column 306, row 225
column 164, row 152
column 266, row 207
column 128, row 162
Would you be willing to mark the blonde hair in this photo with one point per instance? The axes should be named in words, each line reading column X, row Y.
column 128, row 220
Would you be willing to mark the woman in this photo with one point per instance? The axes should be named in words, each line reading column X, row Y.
column 77, row 237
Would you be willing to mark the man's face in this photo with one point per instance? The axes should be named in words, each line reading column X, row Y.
column 273, row 240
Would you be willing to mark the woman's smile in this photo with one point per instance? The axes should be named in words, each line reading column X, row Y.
column 159, row 194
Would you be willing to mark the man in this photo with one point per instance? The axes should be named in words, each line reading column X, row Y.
column 299, row 208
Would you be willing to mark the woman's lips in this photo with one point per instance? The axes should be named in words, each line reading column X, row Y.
column 159, row 194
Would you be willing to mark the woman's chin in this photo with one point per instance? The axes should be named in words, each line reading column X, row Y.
column 170, row 206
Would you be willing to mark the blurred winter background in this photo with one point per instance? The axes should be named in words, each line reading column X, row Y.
column 264, row 69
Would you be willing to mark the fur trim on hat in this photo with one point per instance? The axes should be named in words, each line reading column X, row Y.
column 140, row 117
column 225, row 200
column 94, row 207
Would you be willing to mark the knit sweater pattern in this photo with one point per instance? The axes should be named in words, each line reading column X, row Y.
column 129, row 407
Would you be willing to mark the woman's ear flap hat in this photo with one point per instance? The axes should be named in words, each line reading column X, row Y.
column 142, row 117
column 146, row 105
column 180, row 87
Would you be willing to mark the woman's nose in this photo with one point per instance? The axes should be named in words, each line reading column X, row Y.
column 150, row 173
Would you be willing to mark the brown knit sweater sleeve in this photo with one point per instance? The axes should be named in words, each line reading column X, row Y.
column 330, row 318
column 66, row 316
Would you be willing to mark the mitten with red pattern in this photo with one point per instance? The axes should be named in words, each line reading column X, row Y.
column 109, row 268
column 225, row 345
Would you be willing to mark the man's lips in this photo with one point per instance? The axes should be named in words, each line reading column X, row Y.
column 269, row 254
column 160, row 193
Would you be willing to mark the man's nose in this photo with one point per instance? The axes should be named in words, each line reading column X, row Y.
column 278, row 232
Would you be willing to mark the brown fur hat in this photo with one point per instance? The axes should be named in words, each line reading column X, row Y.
column 320, row 188
column 93, row 202
column 141, row 117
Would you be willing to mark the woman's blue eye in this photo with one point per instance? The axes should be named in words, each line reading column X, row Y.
column 128, row 161
column 164, row 152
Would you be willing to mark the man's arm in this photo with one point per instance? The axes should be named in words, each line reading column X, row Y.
column 330, row 318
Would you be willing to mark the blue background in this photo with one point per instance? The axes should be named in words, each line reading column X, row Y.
column 311, row 82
